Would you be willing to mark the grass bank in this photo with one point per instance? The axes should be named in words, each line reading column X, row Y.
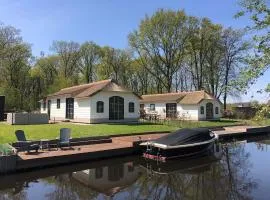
column 196, row 124
column 265, row 122
column 51, row 131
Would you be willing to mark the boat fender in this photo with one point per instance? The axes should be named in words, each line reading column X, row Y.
column 212, row 134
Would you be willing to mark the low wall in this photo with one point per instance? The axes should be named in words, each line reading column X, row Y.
column 27, row 118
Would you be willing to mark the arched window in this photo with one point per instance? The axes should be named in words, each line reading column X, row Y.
column 131, row 107
column 100, row 107
column 202, row 110
column 116, row 108
column 216, row 110
column 209, row 111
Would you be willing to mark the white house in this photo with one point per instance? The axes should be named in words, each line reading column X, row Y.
column 196, row 105
column 97, row 102
column 109, row 180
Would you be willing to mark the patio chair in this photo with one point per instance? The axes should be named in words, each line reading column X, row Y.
column 64, row 140
column 25, row 145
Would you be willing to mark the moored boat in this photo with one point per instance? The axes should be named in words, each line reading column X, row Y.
column 181, row 143
column 192, row 165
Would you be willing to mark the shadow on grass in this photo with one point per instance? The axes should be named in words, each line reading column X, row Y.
column 223, row 121
column 168, row 122
column 134, row 124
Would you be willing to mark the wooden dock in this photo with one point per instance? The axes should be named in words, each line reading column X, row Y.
column 120, row 146
column 116, row 146
column 238, row 132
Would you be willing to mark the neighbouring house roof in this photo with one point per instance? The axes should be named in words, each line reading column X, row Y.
column 90, row 89
column 162, row 97
column 189, row 98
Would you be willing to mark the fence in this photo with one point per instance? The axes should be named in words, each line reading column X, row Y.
column 27, row 118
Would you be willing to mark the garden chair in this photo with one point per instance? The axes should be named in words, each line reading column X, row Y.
column 25, row 145
column 64, row 139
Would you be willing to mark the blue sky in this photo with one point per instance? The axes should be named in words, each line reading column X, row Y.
column 108, row 22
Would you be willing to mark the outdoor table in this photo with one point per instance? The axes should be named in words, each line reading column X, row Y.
column 44, row 144
column 53, row 145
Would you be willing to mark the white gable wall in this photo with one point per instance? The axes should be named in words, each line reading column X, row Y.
column 215, row 104
column 160, row 108
column 85, row 108
column 104, row 96
column 186, row 112
column 58, row 113
column 82, row 110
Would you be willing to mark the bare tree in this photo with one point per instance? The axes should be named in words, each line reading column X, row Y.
column 235, row 49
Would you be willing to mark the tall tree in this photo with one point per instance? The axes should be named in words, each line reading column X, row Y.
column 116, row 64
column 15, row 57
column 204, row 53
column 89, row 60
column 214, row 70
column 259, row 14
column 69, row 52
column 235, row 50
column 49, row 67
column 162, row 39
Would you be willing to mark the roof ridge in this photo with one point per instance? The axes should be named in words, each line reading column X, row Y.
column 87, row 84
column 171, row 93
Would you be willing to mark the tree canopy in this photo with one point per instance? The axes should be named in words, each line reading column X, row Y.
column 258, row 12
column 169, row 51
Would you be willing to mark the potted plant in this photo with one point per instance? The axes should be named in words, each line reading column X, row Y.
column 8, row 158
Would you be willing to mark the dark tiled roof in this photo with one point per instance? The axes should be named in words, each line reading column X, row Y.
column 194, row 97
column 162, row 97
column 87, row 90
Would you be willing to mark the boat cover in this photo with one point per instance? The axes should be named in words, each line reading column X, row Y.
column 185, row 136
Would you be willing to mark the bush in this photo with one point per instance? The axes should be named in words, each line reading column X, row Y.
column 262, row 113
column 228, row 114
column 244, row 112
column 6, row 150
column 142, row 113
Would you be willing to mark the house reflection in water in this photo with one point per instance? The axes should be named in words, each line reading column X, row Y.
column 109, row 179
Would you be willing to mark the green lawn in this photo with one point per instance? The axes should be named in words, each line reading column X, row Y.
column 265, row 122
column 195, row 124
column 51, row 131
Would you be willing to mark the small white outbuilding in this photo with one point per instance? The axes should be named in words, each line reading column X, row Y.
column 97, row 102
column 195, row 105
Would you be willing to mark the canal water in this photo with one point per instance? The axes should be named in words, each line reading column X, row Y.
column 236, row 170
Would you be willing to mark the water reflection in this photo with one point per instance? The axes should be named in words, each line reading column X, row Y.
column 203, row 178
column 109, row 180
column 226, row 173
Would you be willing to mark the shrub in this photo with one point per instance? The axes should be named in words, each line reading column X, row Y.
column 142, row 113
column 262, row 113
column 6, row 150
